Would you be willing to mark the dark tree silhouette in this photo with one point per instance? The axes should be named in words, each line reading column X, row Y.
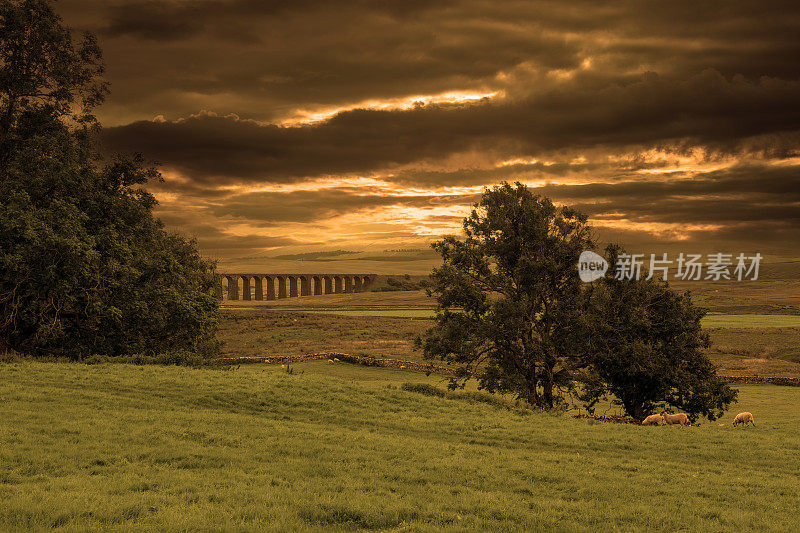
column 646, row 345
column 85, row 267
column 510, row 300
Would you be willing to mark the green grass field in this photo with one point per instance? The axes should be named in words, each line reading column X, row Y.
column 121, row 447
column 712, row 320
column 709, row 321
column 399, row 312
column 751, row 321
column 263, row 331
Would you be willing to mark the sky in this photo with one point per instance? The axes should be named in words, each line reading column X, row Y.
column 283, row 127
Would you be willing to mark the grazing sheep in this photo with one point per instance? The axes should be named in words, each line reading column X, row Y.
column 654, row 420
column 743, row 418
column 679, row 418
column 330, row 361
column 336, row 360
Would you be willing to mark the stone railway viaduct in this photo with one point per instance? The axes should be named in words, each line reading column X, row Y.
column 274, row 286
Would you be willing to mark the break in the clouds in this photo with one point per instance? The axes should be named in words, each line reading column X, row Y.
column 309, row 123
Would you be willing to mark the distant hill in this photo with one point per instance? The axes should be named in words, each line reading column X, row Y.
column 418, row 261
column 317, row 256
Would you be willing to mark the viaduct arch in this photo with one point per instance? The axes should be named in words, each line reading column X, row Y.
column 276, row 286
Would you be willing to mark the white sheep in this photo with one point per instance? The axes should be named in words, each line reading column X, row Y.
column 679, row 418
column 654, row 420
column 743, row 418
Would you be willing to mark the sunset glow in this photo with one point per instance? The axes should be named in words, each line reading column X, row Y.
column 387, row 132
column 304, row 117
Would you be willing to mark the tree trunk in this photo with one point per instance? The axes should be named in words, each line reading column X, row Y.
column 547, row 393
column 533, row 393
column 5, row 129
column 547, row 378
column 636, row 410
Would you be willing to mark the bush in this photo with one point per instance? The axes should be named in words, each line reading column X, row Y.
column 646, row 348
column 424, row 388
column 469, row 396
column 405, row 284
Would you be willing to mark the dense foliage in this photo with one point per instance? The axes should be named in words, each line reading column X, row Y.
column 85, row 267
column 509, row 299
column 514, row 314
column 646, row 345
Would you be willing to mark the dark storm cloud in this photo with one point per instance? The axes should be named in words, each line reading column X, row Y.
column 211, row 238
column 261, row 60
column 174, row 20
column 608, row 81
column 707, row 110
column 223, row 241
column 508, row 172
column 745, row 193
column 258, row 58
column 748, row 179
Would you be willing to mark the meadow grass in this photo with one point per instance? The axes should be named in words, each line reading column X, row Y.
column 390, row 311
column 709, row 321
column 264, row 332
column 352, row 299
column 402, row 312
column 751, row 321
column 762, row 343
column 744, row 351
column 712, row 320
column 113, row 447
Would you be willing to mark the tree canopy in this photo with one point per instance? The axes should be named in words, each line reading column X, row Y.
column 646, row 346
column 513, row 313
column 42, row 71
column 510, row 302
column 85, row 266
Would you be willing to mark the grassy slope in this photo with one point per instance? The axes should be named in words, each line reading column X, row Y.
column 778, row 343
column 114, row 446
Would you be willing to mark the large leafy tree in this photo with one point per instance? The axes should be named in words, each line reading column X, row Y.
column 85, row 267
column 510, row 303
column 646, row 346
column 43, row 72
